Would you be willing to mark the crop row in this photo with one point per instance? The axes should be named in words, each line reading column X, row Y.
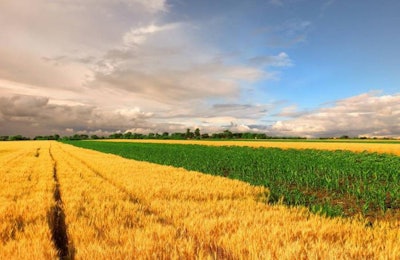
column 331, row 182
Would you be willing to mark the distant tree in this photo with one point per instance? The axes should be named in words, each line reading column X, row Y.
column 248, row 135
column 237, row 135
column 75, row 137
column 178, row 136
column 216, row 136
column 47, row 137
column 189, row 135
column 197, row 134
column 165, row 135
column 205, row 136
column 138, row 136
column 116, row 136
column 128, row 135
column 261, row 136
column 94, row 137
column 227, row 134
column 17, row 138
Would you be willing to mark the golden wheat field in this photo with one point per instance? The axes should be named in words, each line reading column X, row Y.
column 59, row 200
column 378, row 147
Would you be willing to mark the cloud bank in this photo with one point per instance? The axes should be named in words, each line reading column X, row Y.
column 363, row 115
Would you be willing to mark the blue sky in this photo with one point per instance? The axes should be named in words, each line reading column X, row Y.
column 338, row 48
column 281, row 67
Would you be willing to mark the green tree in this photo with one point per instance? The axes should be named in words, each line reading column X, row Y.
column 16, row 138
column 197, row 134
column 128, row 135
column 227, row 134
column 189, row 135
column 205, row 136
column 178, row 136
column 116, row 136
column 248, row 135
column 261, row 136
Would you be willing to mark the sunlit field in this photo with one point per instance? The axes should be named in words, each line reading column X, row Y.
column 379, row 146
column 86, row 204
column 333, row 183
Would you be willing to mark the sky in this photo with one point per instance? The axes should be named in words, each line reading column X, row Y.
column 312, row 68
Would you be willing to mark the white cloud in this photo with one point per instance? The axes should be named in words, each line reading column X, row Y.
column 290, row 111
column 133, row 113
column 153, row 5
column 56, row 44
column 362, row 115
column 137, row 36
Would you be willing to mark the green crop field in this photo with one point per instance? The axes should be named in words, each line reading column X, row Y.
column 335, row 183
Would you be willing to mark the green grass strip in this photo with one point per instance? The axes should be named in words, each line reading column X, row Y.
column 333, row 183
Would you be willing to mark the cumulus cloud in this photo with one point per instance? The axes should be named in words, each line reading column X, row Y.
column 363, row 115
column 160, row 62
column 56, row 36
column 220, row 114
column 39, row 116
column 168, row 86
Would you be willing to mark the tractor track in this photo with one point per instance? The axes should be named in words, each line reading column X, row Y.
column 57, row 219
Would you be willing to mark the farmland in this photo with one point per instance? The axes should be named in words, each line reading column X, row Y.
column 335, row 183
column 373, row 146
column 58, row 200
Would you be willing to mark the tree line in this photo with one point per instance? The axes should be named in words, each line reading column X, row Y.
column 188, row 134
